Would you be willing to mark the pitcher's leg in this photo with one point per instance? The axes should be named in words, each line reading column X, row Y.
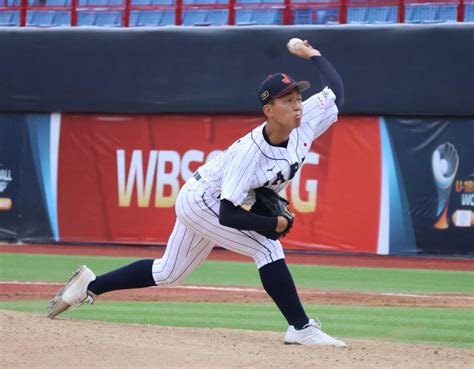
column 135, row 275
column 185, row 251
column 200, row 212
column 278, row 283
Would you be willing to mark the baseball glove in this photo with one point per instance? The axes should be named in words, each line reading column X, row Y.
column 270, row 204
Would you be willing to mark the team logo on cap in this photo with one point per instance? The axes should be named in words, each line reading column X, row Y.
column 285, row 79
column 264, row 95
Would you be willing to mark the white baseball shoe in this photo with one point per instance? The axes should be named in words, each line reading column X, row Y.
column 311, row 334
column 73, row 294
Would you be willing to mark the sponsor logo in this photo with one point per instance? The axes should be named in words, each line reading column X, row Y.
column 152, row 178
column 444, row 163
column 5, row 203
column 5, row 179
column 265, row 95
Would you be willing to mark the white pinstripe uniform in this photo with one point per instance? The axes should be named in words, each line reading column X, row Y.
column 247, row 164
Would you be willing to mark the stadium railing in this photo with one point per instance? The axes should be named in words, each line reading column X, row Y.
column 155, row 13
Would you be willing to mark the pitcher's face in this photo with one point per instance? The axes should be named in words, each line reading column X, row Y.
column 286, row 110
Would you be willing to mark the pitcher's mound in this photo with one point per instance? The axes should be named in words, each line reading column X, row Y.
column 30, row 341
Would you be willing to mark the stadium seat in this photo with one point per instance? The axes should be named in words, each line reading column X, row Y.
column 39, row 18
column 57, row 2
column 109, row 19
column 168, row 18
column 315, row 16
column 317, row 1
column 248, row 1
column 62, row 19
column 302, row 16
column 153, row 2
column 385, row 14
column 199, row 2
column 469, row 13
column 267, row 16
column 92, row 2
column 356, row 15
column 448, row 13
column 151, row 18
column 100, row 19
column 243, row 17
column 46, row 18
column 163, row 2
column 134, row 18
column 193, row 17
column 424, row 13
column 327, row 16
column 86, row 18
column 421, row 14
column 141, row 18
column 428, row 13
column 12, row 3
column 218, row 17
column 101, row 2
column 9, row 18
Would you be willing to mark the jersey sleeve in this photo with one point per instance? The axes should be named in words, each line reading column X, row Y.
column 320, row 112
column 238, row 174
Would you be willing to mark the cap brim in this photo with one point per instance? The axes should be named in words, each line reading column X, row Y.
column 300, row 85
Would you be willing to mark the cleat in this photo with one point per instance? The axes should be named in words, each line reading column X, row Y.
column 311, row 334
column 73, row 294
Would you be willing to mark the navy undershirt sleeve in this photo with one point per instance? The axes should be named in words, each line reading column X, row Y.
column 238, row 218
column 330, row 78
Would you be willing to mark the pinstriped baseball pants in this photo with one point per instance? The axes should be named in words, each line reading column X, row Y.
column 197, row 231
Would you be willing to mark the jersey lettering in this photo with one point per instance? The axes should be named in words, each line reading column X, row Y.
column 280, row 178
column 293, row 169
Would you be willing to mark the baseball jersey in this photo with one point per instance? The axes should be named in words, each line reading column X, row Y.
column 251, row 162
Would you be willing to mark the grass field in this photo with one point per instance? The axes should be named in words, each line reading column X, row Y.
column 56, row 268
column 440, row 326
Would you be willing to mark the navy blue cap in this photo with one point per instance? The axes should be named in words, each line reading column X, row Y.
column 279, row 84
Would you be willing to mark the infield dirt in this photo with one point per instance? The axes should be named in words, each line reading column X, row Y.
column 29, row 341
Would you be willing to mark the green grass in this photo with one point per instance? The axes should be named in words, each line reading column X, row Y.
column 56, row 268
column 437, row 326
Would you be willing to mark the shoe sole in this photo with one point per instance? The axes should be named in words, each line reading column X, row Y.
column 327, row 345
column 57, row 305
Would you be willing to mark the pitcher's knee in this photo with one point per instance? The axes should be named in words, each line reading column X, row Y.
column 165, row 274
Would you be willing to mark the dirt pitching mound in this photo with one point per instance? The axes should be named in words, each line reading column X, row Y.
column 29, row 341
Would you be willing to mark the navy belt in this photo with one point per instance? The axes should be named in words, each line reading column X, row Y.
column 197, row 176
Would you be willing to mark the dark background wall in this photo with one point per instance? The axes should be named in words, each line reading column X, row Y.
column 391, row 70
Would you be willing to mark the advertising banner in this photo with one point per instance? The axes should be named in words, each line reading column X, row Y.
column 11, row 137
column 379, row 185
column 125, row 173
column 28, row 155
column 436, row 167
